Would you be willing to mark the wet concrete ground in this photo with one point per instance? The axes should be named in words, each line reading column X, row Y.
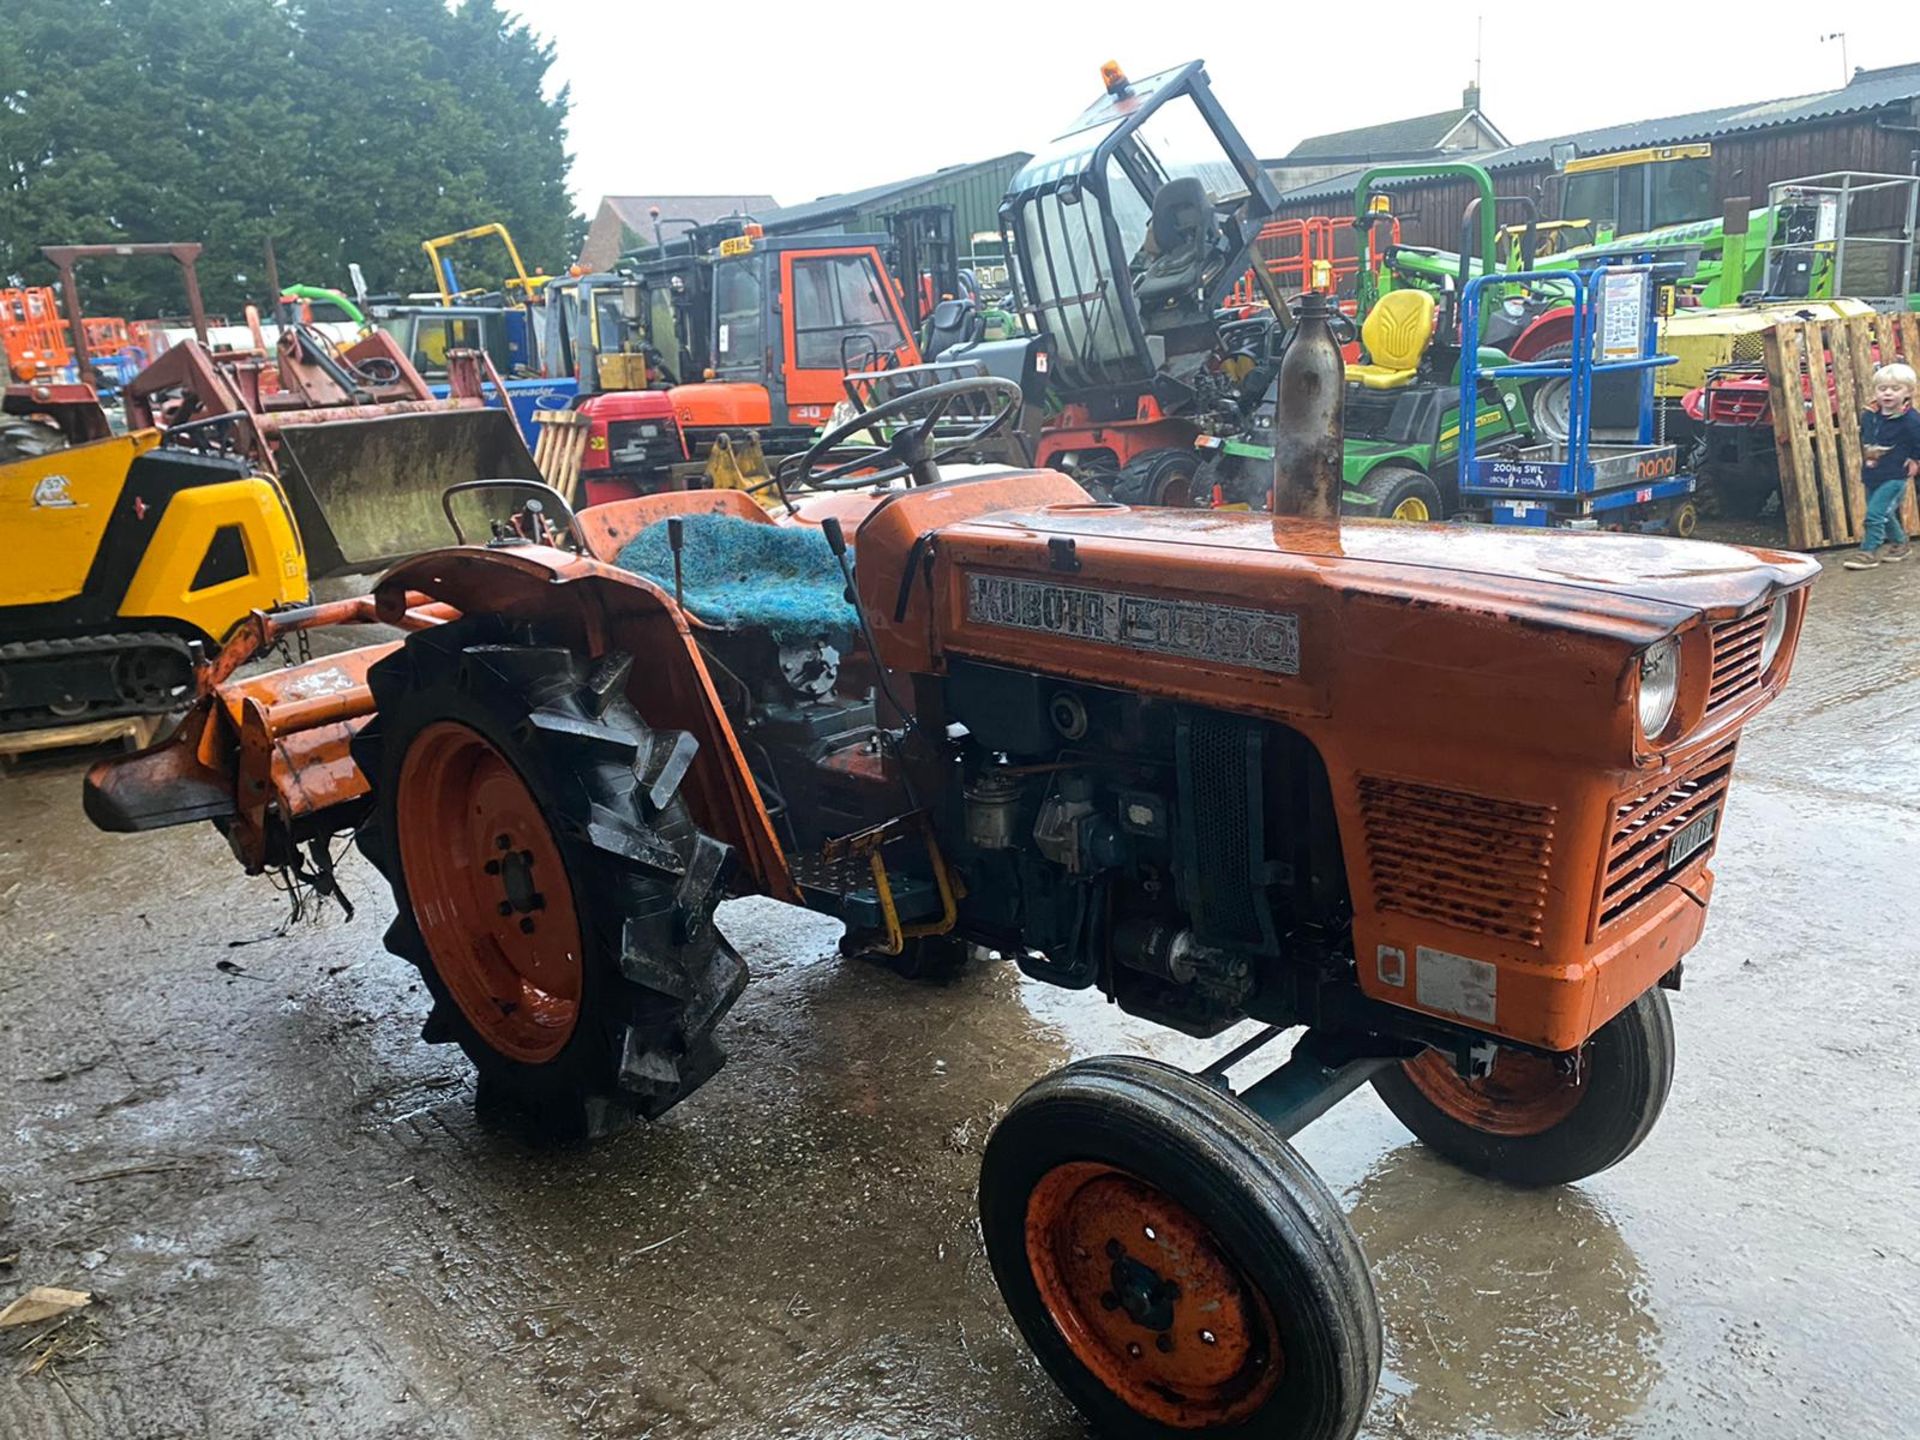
column 294, row 1226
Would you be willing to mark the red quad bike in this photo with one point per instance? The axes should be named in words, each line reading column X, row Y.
column 1163, row 754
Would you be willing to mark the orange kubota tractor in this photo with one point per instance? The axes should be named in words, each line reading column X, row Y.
column 1164, row 754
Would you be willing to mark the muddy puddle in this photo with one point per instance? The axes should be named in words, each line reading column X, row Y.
column 293, row 1224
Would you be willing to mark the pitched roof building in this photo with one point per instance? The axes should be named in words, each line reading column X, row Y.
column 622, row 216
column 1463, row 130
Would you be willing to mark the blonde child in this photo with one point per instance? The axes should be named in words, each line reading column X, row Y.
column 1890, row 447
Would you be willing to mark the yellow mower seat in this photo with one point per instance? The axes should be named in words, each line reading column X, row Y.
column 1395, row 335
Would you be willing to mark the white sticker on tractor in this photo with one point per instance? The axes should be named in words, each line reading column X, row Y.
column 330, row 681
column 1258, row 639
column 55, row 492
column 1391, row 961
column 1454, row 984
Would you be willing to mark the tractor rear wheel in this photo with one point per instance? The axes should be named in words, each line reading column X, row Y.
column 556, row 898
column 1399, row 492
column 28, row 440
column 1159, row 477
column 1176, row 1267
column 1534, row 1121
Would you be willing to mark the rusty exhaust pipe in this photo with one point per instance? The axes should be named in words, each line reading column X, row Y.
column 1309, row 426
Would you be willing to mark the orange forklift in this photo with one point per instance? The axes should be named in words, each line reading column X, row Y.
column 1161, row 754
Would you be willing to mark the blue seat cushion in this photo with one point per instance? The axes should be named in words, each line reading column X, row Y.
column 743, row 575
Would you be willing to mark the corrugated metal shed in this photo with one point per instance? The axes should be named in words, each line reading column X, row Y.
column 974, row 191
column 1868, row 91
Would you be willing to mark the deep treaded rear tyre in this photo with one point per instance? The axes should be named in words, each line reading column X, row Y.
column 1527, row 1122
column 1159, row 477
column 28, row 440
column 549, row 883
column 1176, row 1267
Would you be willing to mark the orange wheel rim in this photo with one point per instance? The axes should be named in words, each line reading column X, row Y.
column 1145, row 1298
column 1521, row 1094
column 490, row 892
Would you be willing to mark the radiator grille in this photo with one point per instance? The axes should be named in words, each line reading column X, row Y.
column 1464, row 860
column 1221, row 757
column 1736, row 659
column 1645, row 825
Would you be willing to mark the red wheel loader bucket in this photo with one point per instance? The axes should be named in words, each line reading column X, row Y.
column 366, row 492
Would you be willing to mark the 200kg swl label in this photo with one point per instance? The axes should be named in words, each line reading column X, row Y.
column 1227, row 634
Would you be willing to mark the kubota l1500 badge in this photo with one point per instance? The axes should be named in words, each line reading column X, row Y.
column 1258, row 639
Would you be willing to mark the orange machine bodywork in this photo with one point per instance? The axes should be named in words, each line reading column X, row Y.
column 1471, row 695
column 719, row 403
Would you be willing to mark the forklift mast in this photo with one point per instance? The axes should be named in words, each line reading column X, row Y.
column 925, row 258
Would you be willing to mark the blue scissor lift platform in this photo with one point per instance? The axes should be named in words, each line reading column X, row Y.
column 1625, row 481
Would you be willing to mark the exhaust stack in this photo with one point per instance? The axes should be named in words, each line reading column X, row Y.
column 1309, row 429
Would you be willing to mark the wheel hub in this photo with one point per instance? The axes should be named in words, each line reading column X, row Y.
column 1146, row 1299
column 515, row 870
column 1520, row 1093
column 1140, row 1291
column 481, row 863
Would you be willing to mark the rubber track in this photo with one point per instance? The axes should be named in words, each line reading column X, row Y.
column 82, row 648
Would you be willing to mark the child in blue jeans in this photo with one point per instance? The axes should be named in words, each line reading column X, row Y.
column 1890, row 447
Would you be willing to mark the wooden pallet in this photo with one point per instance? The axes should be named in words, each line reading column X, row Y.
column 559, row 449
column 1820, row 491
column 131, row 732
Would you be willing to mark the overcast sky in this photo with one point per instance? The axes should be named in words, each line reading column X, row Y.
column 795, row 101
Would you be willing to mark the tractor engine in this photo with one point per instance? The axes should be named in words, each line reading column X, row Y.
column 1172, row 855
column 1184, row 860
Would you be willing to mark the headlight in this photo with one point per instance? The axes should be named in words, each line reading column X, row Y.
column 1776, row 632
column 1659, row 686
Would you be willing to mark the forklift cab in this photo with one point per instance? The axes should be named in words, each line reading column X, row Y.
column 1127, row 232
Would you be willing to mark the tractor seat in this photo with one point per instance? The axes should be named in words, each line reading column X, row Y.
column 1395, row 335
column 1184, row 228
column 739, row 574
column 955, row 323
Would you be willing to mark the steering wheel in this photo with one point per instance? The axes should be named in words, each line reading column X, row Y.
column 914, row 450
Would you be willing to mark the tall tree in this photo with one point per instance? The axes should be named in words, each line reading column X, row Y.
column 345, row 130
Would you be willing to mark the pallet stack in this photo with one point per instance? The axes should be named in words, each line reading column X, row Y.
column 559, row 449
column 1820, row 491
column 130, row 732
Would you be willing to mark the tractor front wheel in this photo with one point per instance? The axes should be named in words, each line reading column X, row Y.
column 553, row 892
column 1534, row 1120
column 1176, row 1267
